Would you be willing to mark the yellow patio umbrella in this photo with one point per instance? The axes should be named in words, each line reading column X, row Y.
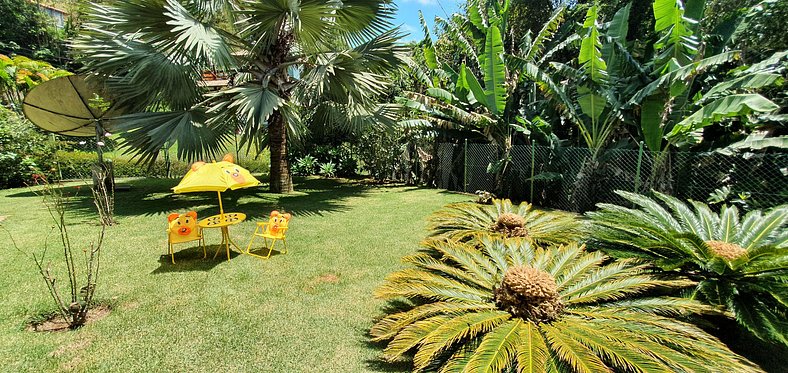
column 216, row 177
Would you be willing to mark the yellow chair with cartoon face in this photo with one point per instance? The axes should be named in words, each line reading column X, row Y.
column 183, row 228
column 275, row 230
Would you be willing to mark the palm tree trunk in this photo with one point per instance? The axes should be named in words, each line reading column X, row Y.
column 281, row 180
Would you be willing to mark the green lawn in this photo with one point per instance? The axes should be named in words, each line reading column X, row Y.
column 308, row 310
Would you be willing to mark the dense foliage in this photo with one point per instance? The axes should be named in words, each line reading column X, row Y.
column 29, row 31
column 24, row 151
column 740, row 262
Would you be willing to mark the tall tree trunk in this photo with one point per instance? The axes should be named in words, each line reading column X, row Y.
column 281, row 180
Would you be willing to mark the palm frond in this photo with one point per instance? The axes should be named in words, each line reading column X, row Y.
column 614, row 324
column 463, row 221
column 738, row 262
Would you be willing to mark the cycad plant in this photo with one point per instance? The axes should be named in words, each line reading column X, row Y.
column 465, row 220
column 740, row 262
column 511, row 306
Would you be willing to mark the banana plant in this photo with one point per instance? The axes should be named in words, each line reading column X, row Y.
column 591, row 96
column 482, row 95
column 673, row 108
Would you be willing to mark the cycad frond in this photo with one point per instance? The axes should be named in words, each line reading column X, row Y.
column 462, row 221
column 615, row 331
column 739, row 262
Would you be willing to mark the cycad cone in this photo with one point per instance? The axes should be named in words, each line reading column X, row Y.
column 511, row 224
column 529, row 293
column 726, row 250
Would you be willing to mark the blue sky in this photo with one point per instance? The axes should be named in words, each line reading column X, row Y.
column 408, row 14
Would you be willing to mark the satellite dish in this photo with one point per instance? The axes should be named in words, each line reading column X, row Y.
column 73, row 106
column 70, row 106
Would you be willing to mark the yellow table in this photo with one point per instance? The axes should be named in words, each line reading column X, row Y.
column 223, row 221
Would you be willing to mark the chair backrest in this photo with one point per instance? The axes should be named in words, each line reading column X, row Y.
column 183, row 227
column 277, row 224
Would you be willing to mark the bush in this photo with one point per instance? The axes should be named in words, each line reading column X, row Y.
column 341, row 155
column 77, row 165
column 25, row 150
column 16, row 170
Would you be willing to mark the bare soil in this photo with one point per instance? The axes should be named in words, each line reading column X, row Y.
column 56, row 323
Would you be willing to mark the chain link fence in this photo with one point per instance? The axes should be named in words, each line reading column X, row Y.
column 572, row 179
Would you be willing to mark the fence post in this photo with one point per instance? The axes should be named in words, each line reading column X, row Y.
column 465, row 167
column 533, row 163
column 637, row 168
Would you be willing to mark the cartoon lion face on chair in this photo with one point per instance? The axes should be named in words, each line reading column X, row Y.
column 183, row 225
column 277, row 223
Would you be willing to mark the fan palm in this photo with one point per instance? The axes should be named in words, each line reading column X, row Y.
column 465, row 220
column 738, row 262
column 512, row 306
column 329, row 56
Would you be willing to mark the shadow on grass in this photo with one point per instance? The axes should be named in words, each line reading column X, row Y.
column 380, row 365
column 191, row 259
column 147, row 197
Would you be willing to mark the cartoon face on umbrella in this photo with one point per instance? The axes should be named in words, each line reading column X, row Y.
column 216, row 177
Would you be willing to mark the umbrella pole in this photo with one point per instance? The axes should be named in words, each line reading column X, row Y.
column 221, row 209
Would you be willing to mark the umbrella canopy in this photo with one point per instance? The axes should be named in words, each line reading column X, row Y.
column 69, row 105
column 216, row 177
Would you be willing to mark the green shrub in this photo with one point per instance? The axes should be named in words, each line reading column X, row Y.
column 16, row 170
column 25, row 149
column 307, row 159
column 77, row 165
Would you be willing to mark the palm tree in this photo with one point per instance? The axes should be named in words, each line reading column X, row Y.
column 327, row 59
column 738, row 262
column 512, row 306
column 466, row 220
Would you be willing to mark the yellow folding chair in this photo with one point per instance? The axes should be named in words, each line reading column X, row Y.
column 274, row 230
column 183, row 228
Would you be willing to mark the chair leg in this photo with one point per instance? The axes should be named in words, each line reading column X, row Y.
column 172, row 254
column 249, row 247
column 284, row 242
column 202, row 243
column 271, row 249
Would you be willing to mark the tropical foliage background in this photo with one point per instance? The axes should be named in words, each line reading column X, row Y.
column 666, row 75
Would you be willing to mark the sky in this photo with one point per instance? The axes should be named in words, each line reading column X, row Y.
column 408, row 15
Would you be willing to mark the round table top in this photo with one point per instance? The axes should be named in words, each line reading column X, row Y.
column 218, row 221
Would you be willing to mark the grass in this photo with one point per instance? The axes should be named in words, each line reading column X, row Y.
column 308, row 310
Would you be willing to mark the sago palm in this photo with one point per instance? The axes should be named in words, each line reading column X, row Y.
column 462, row 221
column 511, row 306
column 282, row 56
column 740, row 262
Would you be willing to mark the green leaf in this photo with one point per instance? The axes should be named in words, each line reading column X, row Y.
column 494, row 71
column 532, row 353
column 497, row 349
column 651, row 110
column 548, row 31
column 677, row 42
column 474, row 86
column 726, row 107
column 750, row 81
column 441, row 94
column 756, row 141
column 590, row 57
column 590, row 103
column 619, row 25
